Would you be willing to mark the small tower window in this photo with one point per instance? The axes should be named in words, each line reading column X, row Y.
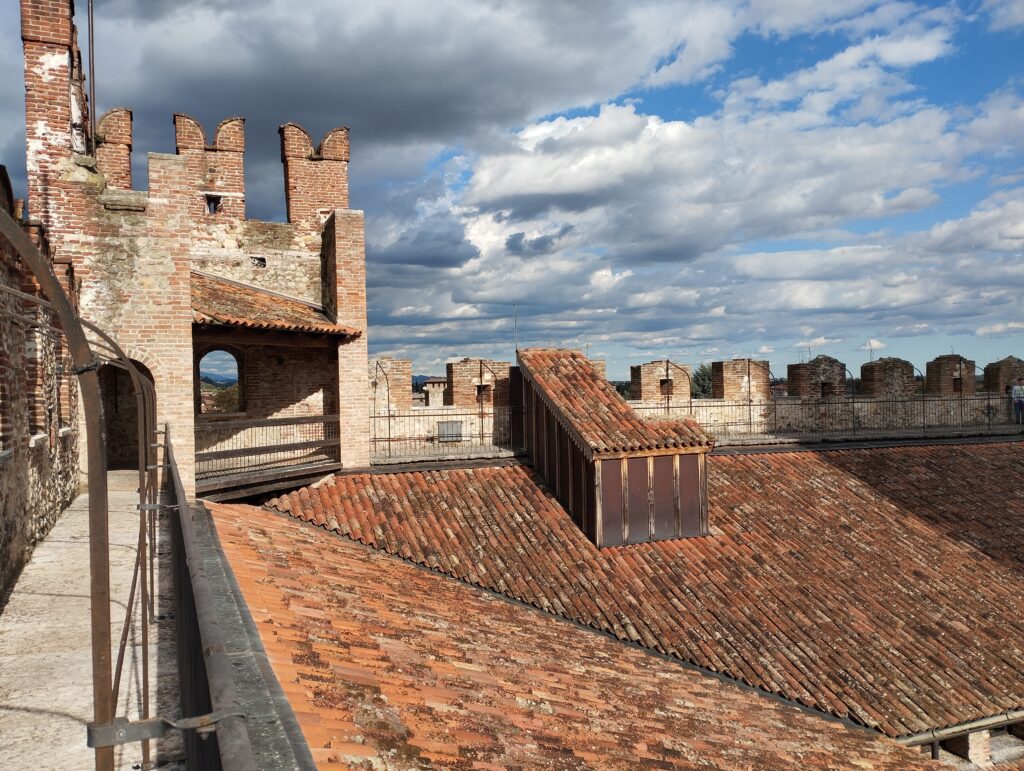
column 258, row 262
column 214, row 203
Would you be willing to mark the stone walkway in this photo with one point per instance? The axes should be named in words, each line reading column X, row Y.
column 45, row 656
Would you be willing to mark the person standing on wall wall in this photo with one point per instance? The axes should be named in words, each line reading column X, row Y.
column 1017, row 395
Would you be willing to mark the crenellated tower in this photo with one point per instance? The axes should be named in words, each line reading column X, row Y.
column 139, row 253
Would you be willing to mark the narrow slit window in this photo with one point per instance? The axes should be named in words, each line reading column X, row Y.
column 214, row 203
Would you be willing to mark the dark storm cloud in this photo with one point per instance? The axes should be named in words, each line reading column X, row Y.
column 438, row 241
column 519, row 245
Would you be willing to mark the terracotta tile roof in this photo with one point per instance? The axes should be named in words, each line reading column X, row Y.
column 594, row 411
column 394, row 666
column 224, row 302
column 886, row 585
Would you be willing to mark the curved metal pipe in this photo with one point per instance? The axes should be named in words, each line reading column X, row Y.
column 85, row 364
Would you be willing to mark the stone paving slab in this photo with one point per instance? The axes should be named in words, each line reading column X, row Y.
column 45, row 655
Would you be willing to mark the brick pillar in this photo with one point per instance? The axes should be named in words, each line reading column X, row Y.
column 345, row 231
column 160, row 322
column 48, row 38
column 974, row 747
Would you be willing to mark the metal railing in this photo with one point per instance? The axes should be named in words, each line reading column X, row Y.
column 205, row 677
column 443, row 433
column 843, row 417
column 245, row 449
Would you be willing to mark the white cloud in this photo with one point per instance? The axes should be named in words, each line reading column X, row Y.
column 872, row 345
column 1001, row 328
column 818, row 342
column 1005, row 14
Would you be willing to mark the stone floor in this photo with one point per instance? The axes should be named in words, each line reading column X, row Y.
column 45, row 657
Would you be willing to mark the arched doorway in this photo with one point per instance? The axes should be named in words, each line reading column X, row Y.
column 121, row 415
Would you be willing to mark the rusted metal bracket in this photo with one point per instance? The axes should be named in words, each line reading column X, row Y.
column 92, row 366
column 121, row 730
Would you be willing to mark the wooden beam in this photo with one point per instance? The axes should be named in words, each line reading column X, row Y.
column 207, row 335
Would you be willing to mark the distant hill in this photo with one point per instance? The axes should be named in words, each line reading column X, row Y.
column 220, row 381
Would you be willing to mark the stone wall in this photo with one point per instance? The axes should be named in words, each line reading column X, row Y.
column 741, row 379
column 887, row 377
column 821, row 376
column 1001, row 375
column 658, row 379
column 950, row 374
column 796, row 418
column 38, row 431
column 390, row 384
column 418, row 433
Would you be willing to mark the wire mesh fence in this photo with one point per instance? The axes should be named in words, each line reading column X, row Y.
column 446, row 433
column 838, row 417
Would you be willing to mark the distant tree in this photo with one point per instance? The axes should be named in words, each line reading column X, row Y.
column 622, row 386
column 701, row 382
column 226, row 400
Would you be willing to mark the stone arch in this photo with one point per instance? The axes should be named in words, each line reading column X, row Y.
column 121, row 414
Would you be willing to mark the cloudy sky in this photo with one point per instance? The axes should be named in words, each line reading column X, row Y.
column 693, row 179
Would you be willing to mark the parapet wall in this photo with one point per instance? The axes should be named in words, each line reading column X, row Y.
column 477, row 382
column 659, row 379
column 741, row 379
column 951, row 374
column 390, row 384
column 38, row 404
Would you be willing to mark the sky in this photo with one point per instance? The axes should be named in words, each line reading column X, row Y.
column 696, row 180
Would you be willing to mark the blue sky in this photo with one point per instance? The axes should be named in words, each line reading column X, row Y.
column 698, row 180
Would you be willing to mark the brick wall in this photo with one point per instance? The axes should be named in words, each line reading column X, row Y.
column 887, row 377
column 133, row 250
column 390, row 384
column 821, row 376
column 654, row 380
column 740, row 380
column 950, row 374
column 38, row 436
column 472, row 382
column 1000, row 375
column 114, row 147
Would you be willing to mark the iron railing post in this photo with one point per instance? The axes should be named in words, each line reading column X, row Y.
column 86, row 366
